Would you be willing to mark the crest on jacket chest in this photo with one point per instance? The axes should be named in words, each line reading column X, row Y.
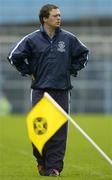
column 61, row 46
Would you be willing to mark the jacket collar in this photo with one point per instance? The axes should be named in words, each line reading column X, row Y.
column 44, row 32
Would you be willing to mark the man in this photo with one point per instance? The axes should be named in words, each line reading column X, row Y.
column 50, row 55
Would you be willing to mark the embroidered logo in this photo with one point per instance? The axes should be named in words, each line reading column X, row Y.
column 40, row 125
column 61, row 46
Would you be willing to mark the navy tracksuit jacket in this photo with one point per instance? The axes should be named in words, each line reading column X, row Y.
column 51, row 61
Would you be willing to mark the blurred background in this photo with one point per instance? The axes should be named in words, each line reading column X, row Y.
column 91, row 22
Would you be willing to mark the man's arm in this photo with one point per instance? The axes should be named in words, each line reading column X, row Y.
column 79, row 57
column 19, row 55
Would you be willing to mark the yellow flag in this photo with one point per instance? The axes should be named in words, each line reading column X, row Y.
column 44, row 120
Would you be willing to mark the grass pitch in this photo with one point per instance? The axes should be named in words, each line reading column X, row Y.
column 82, row 161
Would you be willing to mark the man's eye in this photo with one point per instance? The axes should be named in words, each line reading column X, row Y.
column 57, row 15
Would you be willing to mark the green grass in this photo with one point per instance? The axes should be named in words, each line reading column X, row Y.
column 82, row 160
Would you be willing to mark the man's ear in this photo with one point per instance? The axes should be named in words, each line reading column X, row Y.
column 45, row 19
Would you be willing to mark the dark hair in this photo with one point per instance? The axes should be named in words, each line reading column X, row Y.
column 44, row 11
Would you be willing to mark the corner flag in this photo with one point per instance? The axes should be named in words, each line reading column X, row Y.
column 44, row 120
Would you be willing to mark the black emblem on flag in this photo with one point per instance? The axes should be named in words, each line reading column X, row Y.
column 40, row 125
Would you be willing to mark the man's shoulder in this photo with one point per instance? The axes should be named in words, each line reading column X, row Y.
column 33, row 34
column 30, row 36
column 68, row 33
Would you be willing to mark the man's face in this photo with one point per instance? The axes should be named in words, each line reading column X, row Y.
column 54, row 18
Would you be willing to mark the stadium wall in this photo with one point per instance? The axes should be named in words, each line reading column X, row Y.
column 91, row 21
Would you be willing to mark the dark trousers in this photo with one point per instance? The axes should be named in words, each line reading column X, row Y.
column 54, row 149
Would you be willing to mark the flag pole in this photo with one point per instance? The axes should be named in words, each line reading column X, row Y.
column 90, row 140
column 79, row 129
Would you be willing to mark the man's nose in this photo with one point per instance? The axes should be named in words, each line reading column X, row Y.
column 59, row 17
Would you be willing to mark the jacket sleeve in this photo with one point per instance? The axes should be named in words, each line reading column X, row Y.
column 79, row 56
column 19, row 55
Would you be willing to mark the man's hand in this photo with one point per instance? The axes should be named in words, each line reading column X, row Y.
column 32, row 76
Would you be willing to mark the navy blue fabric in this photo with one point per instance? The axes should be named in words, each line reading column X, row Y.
column 54, row 150
column 51, row 61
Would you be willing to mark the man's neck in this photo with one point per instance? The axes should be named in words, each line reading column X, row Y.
column 50, row 31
